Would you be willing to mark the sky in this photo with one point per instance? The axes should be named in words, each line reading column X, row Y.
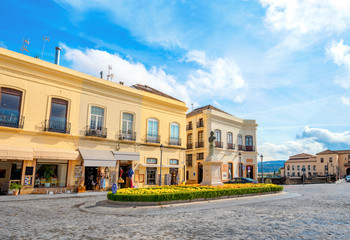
column 284, row 63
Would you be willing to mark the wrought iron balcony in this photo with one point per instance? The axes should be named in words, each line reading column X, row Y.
column 11, row 120
column 57, row 126
column 248, row 148
column 152, row 138
column 199, row 144
column 99, row 132
column 189, row 145
column 240, row 147
column 175, row 141
column 189, row 127
column 127, row 136
column 230, row 146
column 200, row 124
column 218, row 144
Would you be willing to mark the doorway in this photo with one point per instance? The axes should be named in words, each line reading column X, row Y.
column 91, row 174
column 200, row 172
column 250, row 173
column 174, row 176
column 347, row 171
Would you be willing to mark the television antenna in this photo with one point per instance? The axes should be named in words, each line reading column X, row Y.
column 109, row 75
column 45, row 39
column 25, row 45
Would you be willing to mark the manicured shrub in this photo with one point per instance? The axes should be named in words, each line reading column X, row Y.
column 180, row 192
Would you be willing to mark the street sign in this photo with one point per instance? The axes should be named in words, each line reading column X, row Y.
column 114, row 188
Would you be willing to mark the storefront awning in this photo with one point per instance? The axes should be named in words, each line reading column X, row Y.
column 150, row 165
column 55, row 154
column 127, row 156
column 97, row 158
column 15, row 152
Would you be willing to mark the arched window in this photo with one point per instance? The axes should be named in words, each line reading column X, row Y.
column 152, row 131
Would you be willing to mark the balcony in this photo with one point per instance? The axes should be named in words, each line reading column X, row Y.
column 218, row 144
column 200, row 124
column 240, row 147
column 248, row 148
column 152, row 138
column 231, row 146
column 11, row 120
column 175, row 141
column 57, row 126
column 99, row 132
column 199, row 144
column 189, row 145
column 126, row 136
column 347, row 164
column 189, row 127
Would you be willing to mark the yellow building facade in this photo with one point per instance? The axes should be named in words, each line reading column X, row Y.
column 235, row 144
column 60, row 129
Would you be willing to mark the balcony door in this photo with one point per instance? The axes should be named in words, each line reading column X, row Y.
column 152, row 130
column 174, row 134
column 58, row 115
column 10, row 106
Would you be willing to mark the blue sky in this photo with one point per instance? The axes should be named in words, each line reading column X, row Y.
column 285, row 63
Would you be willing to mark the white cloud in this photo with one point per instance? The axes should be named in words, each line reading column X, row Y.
column 307, row 16
column 290, row 148
column 345, row 100
column 2, row 45
column 340, row 54
column 220, row 78
column 326, row 136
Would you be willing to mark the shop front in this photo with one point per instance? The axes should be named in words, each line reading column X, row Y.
column 128, row 176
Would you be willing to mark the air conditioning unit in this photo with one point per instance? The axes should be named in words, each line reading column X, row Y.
column 93, row 132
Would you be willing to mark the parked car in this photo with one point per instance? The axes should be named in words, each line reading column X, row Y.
column 347, row 178
column 241, row 180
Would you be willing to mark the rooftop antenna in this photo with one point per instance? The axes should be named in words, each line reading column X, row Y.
column 45, row 39
column 25, row 45
column 109, row 72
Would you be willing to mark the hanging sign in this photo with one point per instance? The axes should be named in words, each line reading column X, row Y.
column 114, row 188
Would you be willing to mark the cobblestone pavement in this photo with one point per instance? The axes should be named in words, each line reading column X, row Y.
column 319, row 211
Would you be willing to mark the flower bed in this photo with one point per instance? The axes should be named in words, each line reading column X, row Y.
column 188, row 192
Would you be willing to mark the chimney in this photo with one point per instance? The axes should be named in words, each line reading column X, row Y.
column 57, row 55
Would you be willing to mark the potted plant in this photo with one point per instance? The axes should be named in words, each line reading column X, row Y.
column 15, row 188
column 48, row 173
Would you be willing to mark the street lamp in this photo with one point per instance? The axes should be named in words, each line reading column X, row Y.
column 161, row 160
column 262, row 168
column 240, row 165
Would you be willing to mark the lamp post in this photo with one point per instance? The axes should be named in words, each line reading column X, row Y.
column 240, row 165
column 161, row 160
column 262, row 168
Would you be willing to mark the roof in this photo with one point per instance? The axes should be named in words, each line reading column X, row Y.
column 333, row 152
column 152, row 90
column 301, row 156
column 201, row 109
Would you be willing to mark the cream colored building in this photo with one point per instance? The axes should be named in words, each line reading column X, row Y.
column 235, row 144
column 60, row 128
column 325, row 163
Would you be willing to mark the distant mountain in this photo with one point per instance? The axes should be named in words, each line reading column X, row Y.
column 271, row 166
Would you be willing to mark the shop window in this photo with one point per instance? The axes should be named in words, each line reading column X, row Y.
column 151, row 161
column 174, row 162
column 10, row 107
column 51, row 175
column 151, row 176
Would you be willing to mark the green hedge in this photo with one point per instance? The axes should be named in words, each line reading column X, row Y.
column 186, row 195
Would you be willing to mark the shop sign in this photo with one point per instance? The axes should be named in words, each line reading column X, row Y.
column 114, row 188
column 78, row 171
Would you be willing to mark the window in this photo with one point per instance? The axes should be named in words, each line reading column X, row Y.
column 293, row 168
column 249, row 143
column 314, row 167
column 50, row 174
column 189, row 138
column 190, row 127
column 298, row 167
column 10, row 107
column 315, row 174
column 321, row 160
column 96, row 120
column 128, row 125
column 174, row 134
column 288, row 174
column 293, row 174
column 229, row 138
column 288, row 167
column 239, row 142
column 200, row 123
column 200, row 156
column 151, row 176
column 330, row 159
column 174, row 162
column 152, row 131
column 309, row 167
column 230, row 170
column 200, row 136
column 218, row 135
column 151, row 161
column 326, row 168
column 58, row 116
column 189, row 160
column 298, row 174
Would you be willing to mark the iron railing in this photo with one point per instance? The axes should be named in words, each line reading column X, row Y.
column 152, row 138
column 175, row 141
column 199, row 144
column 218, row 144
column 230, row 146
column 127, row 136
column 57, row 126
column 11, row 120
column 189, row 145
column 99, row 132
column 200, row 124
column 249, row 148
column 189, row 127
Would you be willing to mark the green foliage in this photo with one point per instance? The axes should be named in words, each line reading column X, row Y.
column 15, row 186
column 48, row 172
column 268, row 180
column 188, row 195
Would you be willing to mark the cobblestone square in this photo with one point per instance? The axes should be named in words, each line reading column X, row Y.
column 319, row 211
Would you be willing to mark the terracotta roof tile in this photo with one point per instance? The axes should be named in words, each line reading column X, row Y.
column 152, row 90
column 201, row 109
column 326, row 152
